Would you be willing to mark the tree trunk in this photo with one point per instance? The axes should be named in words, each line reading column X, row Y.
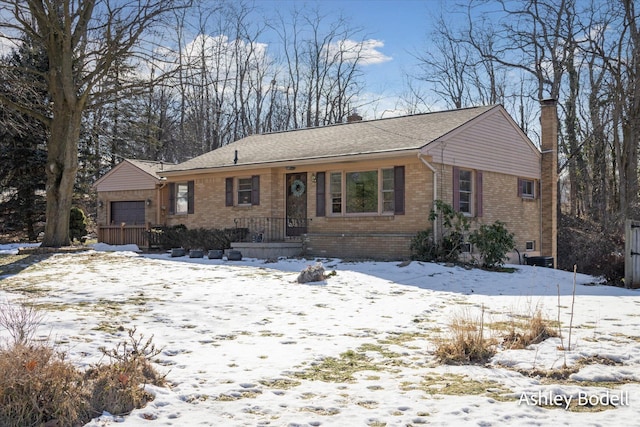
column 62, row 166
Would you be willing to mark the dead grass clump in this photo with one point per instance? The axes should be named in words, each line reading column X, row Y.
column 536, row 330
column 38, row 386
column 118, row 387
column 467, row 343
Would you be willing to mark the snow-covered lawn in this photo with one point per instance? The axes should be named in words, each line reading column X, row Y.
column 245, row 345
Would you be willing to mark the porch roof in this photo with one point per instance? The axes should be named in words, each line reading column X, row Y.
column 367, row 137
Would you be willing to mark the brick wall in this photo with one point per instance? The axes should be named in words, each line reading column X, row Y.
column 379, row 246
column 549, row 146
column 364, row 236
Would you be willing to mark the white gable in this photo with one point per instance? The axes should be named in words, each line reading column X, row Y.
column 126, row 176
column 492, row 142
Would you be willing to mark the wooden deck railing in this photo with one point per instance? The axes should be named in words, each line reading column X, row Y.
column 124, row 235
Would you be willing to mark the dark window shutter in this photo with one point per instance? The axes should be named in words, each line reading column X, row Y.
column 519, row 187
column 228, row 192
column 172, row 198
column 398, row 190
column 321, row 194
column 478, row 193
column 255, row 190
column 190, row 200
column 456, row 189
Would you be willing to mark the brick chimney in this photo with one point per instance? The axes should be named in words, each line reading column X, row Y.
column 354, row 117
column 549, row 179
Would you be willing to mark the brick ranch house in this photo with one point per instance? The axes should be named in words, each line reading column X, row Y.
column 360, row 189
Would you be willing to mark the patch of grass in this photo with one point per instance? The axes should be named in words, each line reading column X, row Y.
column 458, row 385
column 338, row 369
column 266, row 333
column 319, row 410
column 384, row 352
column 467, row 343
column 13, row 264
column 237, row 395
column 403, row 337
column 562, row 375
column 533, row 331
column 369, row 404
column 280, row 383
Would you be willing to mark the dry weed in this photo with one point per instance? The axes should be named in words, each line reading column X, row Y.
column 38, row 386
column 467, row 343
column 118, row 387
column 537, row 330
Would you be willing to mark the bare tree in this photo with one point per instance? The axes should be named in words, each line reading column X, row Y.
column 322, row 67
column 83, row 39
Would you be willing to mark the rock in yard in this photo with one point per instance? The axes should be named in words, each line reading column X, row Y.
column 313, row 273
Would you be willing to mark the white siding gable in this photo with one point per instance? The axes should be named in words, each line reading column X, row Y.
column 126, row 176
column 491, row 142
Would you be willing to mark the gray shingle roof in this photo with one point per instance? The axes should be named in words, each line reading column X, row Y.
column 150, row 167
column 395, row 134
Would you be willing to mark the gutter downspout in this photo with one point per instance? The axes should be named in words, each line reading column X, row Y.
column 159, row 188
column 435, row 190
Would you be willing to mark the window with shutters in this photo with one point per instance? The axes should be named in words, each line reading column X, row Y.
column 181, row 198
column 378, row 191
column 242, row 191
column 467, row 191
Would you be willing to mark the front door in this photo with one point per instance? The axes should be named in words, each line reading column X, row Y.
column 296, row 221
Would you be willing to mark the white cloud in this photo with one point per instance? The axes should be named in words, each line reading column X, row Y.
column 368, row 51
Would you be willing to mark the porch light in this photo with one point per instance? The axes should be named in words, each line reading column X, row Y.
column 148, row 202
column 100, row 203
column 313, row 178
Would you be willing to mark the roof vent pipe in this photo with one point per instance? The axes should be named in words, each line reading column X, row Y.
column 235, row 158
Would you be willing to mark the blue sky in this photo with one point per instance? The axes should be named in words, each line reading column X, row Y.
column 402, row 27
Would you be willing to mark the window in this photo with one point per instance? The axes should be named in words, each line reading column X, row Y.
column 526, row 188
column 181, row 198
column 464, row 194
column 467, row 191
column 388, row 187
column 365, row 192
column 244, row 191
column 335, row 188
column 361, row 192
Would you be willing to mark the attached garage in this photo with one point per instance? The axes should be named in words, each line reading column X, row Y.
column 129, row 202
column 130, row 212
